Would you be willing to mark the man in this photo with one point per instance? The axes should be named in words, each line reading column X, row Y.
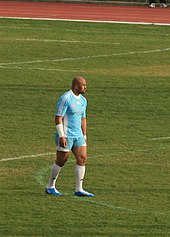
column 71, row 135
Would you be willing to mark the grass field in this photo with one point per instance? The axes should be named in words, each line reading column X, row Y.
column 128, row 74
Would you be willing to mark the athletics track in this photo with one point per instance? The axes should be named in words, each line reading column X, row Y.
column 85, row 12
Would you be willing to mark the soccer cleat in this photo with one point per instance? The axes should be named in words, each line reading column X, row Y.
column 152, row 5
column 52, row 191
column 163, row 5
column 83, row 194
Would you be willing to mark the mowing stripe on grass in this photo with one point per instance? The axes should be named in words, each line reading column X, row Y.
column 89, row 21
column 87, row 57
column 68, row 30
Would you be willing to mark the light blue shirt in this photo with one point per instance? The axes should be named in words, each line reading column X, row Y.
column 73, row 109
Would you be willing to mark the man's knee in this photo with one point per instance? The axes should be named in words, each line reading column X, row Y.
column 81, row 160
column 60, row 162
column 61, row 158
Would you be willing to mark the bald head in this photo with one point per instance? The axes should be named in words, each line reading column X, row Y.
column 79, row 85
column 77, row 80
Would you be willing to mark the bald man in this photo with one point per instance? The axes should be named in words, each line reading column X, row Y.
column 71, row 127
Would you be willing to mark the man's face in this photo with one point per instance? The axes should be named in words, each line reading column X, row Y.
column 81, row 87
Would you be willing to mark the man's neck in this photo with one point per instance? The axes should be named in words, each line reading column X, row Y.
column 75, row 93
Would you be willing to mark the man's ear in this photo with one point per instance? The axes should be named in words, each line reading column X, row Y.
column 76, row 86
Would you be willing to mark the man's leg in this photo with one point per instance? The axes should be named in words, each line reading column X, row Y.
column 81, row 158
column 80, row 172
column 54, row 175
column 61, row 158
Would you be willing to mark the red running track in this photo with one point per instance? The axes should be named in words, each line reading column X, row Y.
column 89, row 12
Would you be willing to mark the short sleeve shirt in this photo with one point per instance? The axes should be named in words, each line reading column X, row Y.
column 73, row 109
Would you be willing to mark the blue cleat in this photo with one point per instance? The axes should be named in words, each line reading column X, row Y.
column 83, row 194
column 52, row 191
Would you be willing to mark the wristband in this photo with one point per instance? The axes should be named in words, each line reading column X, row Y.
column 60, row 130
column 85, row 137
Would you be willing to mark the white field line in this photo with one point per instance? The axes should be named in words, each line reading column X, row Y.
column 94, row 156
column 87, row 57
column 89, row 21
column 27, row 156
column 53, row 153
column 63, row 41
column 158, row 138
column 42, row 69
column 111, row 206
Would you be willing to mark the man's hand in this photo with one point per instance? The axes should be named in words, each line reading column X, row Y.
column 63, row 142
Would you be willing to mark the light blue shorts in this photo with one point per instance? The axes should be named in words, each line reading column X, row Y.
column 71, row 143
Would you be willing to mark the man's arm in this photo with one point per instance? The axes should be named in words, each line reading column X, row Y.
column 59, row 127
column 58, row 120
column 84, row 126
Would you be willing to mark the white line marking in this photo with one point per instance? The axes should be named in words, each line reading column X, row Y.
column 87, row 57
column 89, row 21
column 41, row 69
column 106, row 204
column 117, row 207
column 63, row 41
column 52, row 153
column 158, row 138
column 27, row 156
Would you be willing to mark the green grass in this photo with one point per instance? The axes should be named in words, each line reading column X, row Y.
column 128, row 75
